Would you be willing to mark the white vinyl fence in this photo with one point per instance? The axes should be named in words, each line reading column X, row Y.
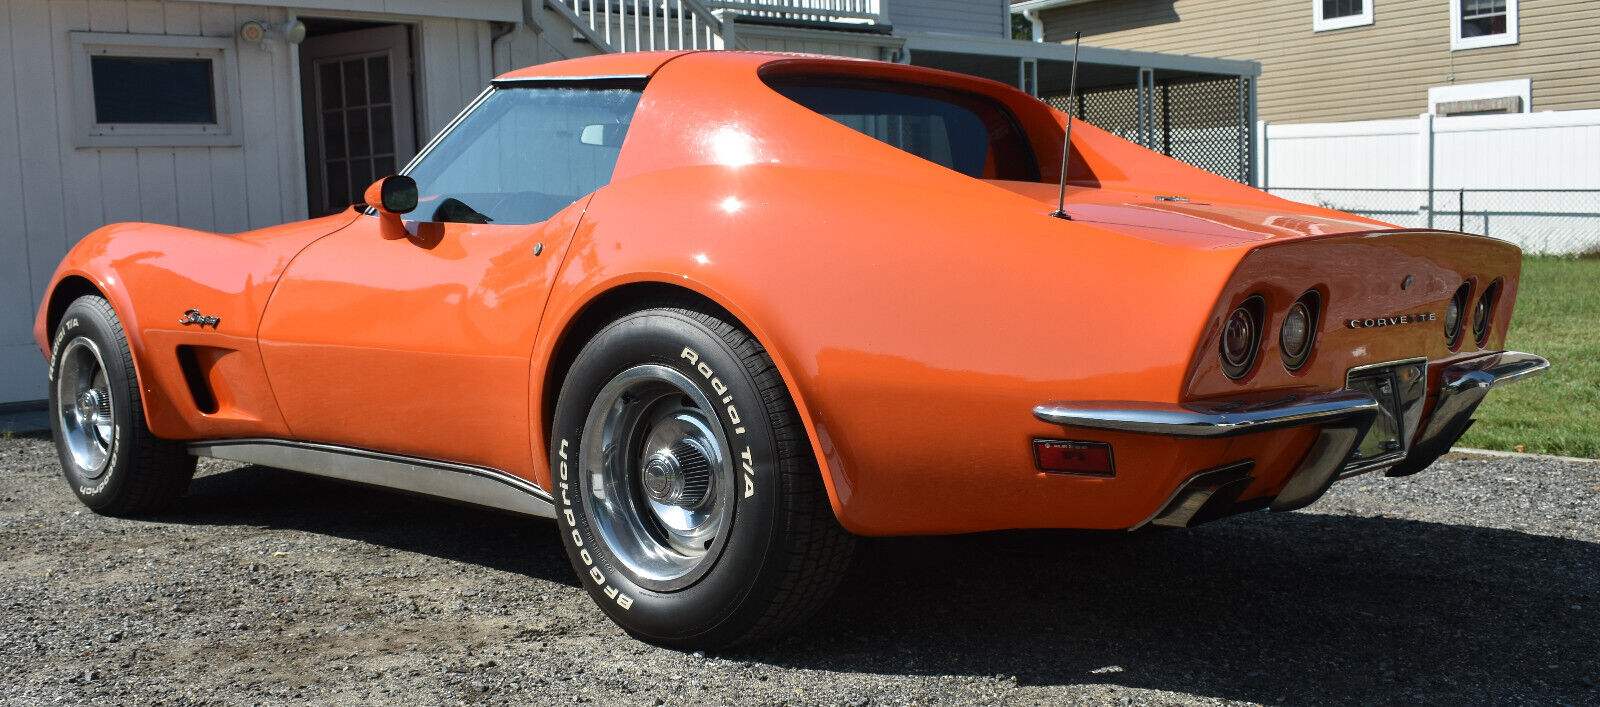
column 1529, row 178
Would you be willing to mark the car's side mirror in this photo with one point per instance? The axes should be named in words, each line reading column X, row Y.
column 392, row 196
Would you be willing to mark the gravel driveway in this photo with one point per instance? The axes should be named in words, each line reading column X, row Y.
column 1477, row 581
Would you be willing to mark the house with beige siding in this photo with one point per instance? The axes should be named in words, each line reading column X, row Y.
column 1476, row 115
column 1347, row 60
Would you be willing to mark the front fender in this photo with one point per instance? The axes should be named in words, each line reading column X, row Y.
column 153, row 274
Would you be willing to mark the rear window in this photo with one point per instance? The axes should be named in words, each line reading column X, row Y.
column 968, row 133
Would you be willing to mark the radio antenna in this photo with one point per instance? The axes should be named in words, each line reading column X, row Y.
column 1066, row 145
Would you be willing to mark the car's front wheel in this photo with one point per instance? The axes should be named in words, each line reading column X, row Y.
column 112, row 461
column 689, row 500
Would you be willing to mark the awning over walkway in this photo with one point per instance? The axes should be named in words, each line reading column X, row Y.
column 1200, row 110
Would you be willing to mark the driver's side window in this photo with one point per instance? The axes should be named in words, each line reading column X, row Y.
column 524, row 153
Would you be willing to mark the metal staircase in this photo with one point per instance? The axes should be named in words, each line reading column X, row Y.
column 647, row 25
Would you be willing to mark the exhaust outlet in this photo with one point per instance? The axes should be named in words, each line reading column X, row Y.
column 1206, row 496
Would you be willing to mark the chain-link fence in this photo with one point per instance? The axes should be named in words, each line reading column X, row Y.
column 1544, row 221
column 1204, row 122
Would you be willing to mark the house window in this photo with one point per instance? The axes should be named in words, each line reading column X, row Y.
column 135, row 89
column 153, row 90
column 1338, row 14
column 1511, row 96
column 1482, row 23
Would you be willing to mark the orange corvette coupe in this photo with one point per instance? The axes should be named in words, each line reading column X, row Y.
column 719, row 313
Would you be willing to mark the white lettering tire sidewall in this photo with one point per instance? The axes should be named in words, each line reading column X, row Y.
column 715, row 602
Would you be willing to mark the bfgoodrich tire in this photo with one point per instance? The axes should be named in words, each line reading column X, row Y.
column 689, row 501
column 109, row 457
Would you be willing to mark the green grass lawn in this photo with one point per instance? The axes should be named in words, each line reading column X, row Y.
column 1558, row 317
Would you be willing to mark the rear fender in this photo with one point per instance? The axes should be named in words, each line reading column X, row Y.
column 888, row 306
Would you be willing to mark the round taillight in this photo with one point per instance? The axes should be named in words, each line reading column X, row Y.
column 1299, row 330
column 1241, row 338
column 1453, row 312
column 1482, row 311
column 1295, row 328
column 1237, row 337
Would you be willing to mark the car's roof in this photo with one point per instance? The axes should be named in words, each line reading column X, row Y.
column 623, row 64
column 646, row 63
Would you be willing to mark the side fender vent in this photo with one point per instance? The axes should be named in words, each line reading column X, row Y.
column 205, row 399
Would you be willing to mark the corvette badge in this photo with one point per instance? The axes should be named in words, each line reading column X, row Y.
column 1391, row 321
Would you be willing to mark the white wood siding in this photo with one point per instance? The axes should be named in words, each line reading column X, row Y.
column 455, row 66
column 524, row 47
column 55, row 192
column 811, row 41
column 497, row 10
column 985, row 18
column 16, row 283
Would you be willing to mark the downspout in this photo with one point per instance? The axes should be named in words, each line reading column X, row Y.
column 530, row 17
column 499, row 31
column 1032, row 16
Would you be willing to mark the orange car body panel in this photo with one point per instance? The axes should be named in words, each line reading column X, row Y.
column 152, row 274
column 916, row 315
column 413, row 345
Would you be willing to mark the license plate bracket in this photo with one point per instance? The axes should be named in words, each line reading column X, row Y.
column 1399, row 387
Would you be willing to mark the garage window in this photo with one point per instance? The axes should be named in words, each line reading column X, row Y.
column 153, row 90
column 136, row 89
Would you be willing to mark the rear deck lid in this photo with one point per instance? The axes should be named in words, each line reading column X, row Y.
column 1199, row 223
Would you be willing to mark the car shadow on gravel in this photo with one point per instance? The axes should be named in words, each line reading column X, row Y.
column 273, row 498
column 1265, row 607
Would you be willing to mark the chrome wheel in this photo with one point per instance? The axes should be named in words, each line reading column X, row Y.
column 85, row 408
column 659, row 474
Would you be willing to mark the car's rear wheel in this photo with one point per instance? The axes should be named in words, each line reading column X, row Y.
column 109, row 457
column 691, row 505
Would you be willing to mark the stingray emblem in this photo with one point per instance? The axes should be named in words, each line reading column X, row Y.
column 194, row 317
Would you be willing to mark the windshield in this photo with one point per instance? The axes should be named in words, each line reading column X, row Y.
column 524, row 153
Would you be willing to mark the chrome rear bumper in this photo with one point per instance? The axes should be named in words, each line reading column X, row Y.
column 1343, row 418
column 1462, row 387
column 1210, row 420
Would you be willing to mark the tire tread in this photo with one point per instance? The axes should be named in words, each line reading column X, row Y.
column 817, row 550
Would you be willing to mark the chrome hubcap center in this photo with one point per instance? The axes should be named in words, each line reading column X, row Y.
column 663, row 480
column 85, row 416
column 678, row 476
column 90, row 406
